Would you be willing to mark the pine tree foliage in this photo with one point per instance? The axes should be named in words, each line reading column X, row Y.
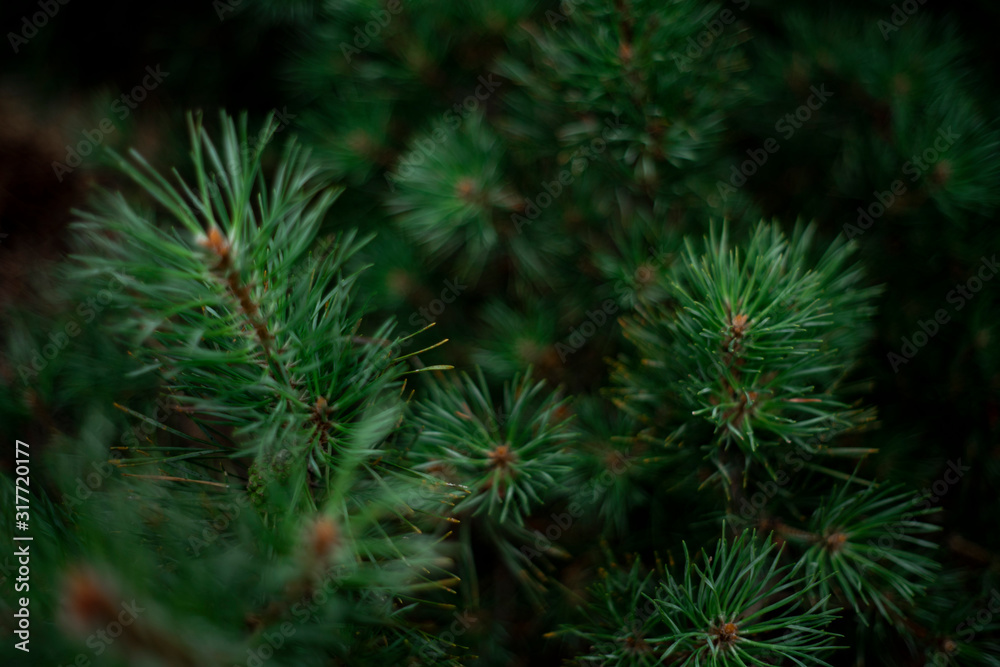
column 510, row 453
column 754, row 342
column 867, row 543
column 601, row 206
column 248, row 326
column 613, row 471
column 741, row 606
column 251, row 331
column 445, row 210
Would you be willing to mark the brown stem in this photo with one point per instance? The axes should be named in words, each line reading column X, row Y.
column 219, row 245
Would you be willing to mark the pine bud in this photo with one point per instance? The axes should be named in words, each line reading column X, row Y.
column 323, row 539
column 88, row 603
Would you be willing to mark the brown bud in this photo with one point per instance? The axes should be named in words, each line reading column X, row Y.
column 323, row 539
column 88, row 602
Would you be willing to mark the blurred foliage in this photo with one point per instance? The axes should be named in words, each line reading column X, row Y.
column 701, row 264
